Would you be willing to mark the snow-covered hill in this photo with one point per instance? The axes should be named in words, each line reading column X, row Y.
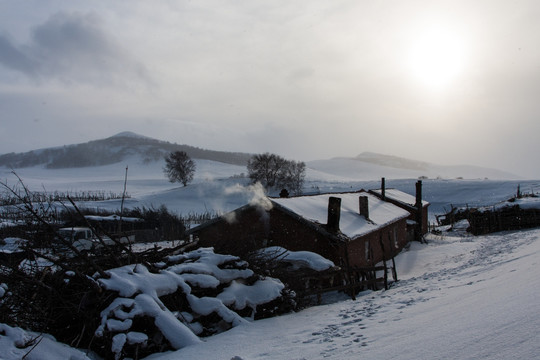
column 369, row 166
column 130, row 147
column 112, row 150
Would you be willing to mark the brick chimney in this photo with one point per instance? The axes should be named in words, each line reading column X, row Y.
column 334, row 213
column 418, row 205
column 364, row 206
column 418, row 194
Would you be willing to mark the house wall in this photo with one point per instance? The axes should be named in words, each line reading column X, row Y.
column 412, row 217
column 367, row 250
column 293, row 234
column 425, row 224
column 253, row 229
column 237, row 235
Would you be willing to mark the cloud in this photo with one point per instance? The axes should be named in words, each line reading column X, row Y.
column 72, row 48
column 15, row 59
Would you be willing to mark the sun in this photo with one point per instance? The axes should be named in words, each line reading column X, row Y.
column 435, row 58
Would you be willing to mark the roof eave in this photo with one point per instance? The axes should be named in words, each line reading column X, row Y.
column 379, row 227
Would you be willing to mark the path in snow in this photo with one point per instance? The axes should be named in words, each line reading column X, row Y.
column 463, row 269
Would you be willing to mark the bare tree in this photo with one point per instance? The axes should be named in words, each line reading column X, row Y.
column 293, row 176
column 273, row 171
column 179, row 167
column 265, row 168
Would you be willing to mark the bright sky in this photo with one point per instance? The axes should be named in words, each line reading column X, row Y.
column 449, row 82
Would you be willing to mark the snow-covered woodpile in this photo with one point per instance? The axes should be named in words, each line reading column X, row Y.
column 194, row 294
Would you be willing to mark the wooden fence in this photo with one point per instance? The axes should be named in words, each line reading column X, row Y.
column 508, row 218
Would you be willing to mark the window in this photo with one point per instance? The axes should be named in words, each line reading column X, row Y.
column 367, row 250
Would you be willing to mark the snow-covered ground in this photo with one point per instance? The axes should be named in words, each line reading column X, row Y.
column 458, row 296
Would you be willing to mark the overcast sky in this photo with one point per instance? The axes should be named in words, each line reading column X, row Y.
column 448, row 82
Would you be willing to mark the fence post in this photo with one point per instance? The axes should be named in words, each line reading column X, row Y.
column 385, row 276
column 384, row 263
column 348, row 275
column 394, row 271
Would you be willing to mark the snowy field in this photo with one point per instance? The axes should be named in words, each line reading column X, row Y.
column 457, row 296
column 218, row 187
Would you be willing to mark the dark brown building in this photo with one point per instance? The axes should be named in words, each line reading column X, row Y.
column 347, row 228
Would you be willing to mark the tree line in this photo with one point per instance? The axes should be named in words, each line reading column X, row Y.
column 271, row 170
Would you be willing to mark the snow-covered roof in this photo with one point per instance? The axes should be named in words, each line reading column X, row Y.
column 400, row 196
column 351, row 224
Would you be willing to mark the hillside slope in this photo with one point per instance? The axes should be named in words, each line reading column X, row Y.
column 113, row 150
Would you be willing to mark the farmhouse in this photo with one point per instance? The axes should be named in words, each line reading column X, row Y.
column 356, row 229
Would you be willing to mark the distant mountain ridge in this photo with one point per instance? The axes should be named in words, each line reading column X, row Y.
column 392, row 161
column 368, row 165
column 112, row 150
column 146, row 150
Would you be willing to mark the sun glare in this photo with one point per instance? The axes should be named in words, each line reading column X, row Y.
column 436, row 58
